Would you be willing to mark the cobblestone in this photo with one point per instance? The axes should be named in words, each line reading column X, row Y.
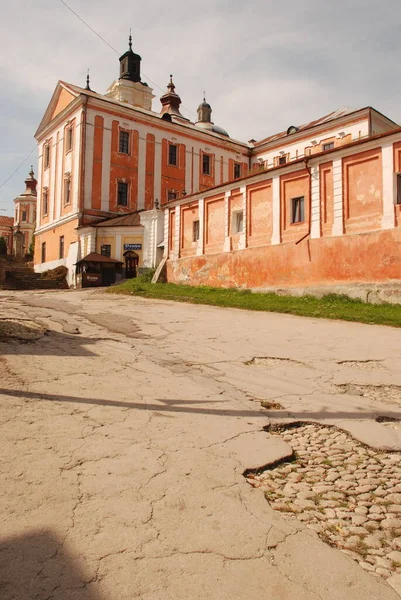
column 352, row 502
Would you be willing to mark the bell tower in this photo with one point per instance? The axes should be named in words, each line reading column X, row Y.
column 129, row 88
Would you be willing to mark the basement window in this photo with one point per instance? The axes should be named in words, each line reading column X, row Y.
column 195, row 231
column 238, row 222
column 398, row 197
column 298, row 209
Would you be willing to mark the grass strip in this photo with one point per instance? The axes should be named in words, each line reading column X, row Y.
column 331, row 306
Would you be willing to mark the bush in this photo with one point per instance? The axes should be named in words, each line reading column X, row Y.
column 3, row 245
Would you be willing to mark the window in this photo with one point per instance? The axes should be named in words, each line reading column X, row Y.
column 237, row 170
column 171, row 196
column 328, row 146
column 398, row 198
column 238, row 224
column 43, row 252
column 195, row 231
column 23, row 216
column 122, row 194
column 47, row 155
column 61, row 247
column 68, row 141
column 45, row 202
column 298, row 210
column 282, row 160
column 124, row 142
column 105, row 250
column 67, row 191
column 206, row 164
column 172, row 155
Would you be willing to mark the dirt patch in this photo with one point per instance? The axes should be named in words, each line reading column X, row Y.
column 365, row 365
column 273, row 361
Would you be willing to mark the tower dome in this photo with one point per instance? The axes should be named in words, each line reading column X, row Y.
column 205, row 119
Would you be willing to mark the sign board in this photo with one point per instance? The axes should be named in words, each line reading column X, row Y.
column 132, row 246
column 91, row 279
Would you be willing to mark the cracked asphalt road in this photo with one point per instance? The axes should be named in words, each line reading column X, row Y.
column 126, row 427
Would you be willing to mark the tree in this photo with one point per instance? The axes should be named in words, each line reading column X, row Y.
column 3, row 245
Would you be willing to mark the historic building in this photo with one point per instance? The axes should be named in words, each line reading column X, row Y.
column 25, row 215
column 317, row 203
column 105, row 156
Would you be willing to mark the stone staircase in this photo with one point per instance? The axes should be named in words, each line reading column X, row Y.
column 21, row 276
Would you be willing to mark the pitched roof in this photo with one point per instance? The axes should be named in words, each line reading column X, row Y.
column 127, row 220
column 341, row 112
column 6, row 221
column 98, row 258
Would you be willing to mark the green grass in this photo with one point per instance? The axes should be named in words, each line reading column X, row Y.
column 329, row 307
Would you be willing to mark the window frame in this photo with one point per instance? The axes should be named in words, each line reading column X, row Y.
column 45, row 202
column 126, row 188
column 104, row 252
column 24, row 214
column 124, row 144
column 297, row 210
column 237, row 222
column 398, row 189
column 43, row 253
column 61, row 247
column 69, row 139
column 175, row 163
column 46, row 154
column 282, row 160
column 238, row 168
column 67, row 191
column 208, row 158
column 325, row 146
column 171, row 195
column 195, row 230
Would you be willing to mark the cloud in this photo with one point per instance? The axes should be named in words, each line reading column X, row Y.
column 264, row 64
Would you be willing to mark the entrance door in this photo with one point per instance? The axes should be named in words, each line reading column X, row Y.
column 131, row 264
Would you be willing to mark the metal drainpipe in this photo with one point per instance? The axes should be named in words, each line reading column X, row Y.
column 307, row 167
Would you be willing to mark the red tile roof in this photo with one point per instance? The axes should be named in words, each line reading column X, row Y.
column 6, row 221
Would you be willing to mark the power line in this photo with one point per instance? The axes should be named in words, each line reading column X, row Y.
column 16, row 170
column 114, row 50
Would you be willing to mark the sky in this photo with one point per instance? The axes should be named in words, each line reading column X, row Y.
column 265, row 65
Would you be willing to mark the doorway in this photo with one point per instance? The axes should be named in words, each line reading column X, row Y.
column 131, row 264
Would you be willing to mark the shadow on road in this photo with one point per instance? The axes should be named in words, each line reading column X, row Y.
column 24, row 340
column 185, row 406
column 36, row 565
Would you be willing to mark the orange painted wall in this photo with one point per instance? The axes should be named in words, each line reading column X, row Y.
column 52, row 239
column 63, row 101
column 124, row 167
column 294, row 185
column 259, row 213
column 326, row 199
column 214, row 224
column 173, row 176
column 363, row 191
column 366, row 257
column 150, row 172
column 188, row 215
column 97, row 162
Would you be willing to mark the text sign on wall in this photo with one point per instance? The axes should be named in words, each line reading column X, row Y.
column 132, row 246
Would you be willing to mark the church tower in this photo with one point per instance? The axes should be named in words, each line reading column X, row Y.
column 25, row 213
column 129, row 88
column 171, row 102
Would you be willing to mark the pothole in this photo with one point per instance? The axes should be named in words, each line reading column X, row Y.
column 271, row 405
column 362, row 364
column 272, row 361
column 383, row 393
column 23, row 330
column 348, row 493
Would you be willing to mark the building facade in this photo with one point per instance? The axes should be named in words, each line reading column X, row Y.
column 318, row 203
column 105, row 156
column 6, row 232
column 329, row 216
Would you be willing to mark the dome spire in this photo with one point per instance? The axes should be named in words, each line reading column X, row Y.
column 130, row 40
column 204, row 111
column 87, row 87
column 130, row 63
column 171, row 101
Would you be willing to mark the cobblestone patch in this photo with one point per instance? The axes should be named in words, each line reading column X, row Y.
column 349, row 494
column 390, row 394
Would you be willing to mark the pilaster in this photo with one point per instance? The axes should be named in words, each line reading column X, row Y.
column 276, row 210
column 201, row 213
column 243, row 238
column 338, row 198
column 227, row 238
column 315, row 202
column 389, row 185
